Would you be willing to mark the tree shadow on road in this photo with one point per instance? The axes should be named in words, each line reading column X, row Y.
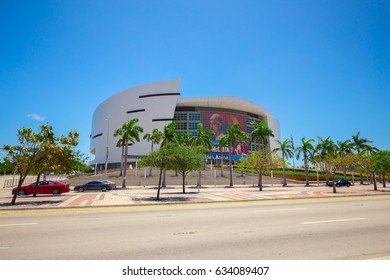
column 31, row 203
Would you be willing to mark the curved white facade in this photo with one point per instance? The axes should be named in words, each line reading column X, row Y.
column 154, row 105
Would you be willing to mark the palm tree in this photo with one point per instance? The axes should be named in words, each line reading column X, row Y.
column 169, row 135
column 204, row 138
column 242, row 139
column 261, row 132
column 306, row 149
column 232, row 135
column 359, row 145
column 155, row 138
column 120, row 144
column 129, row 132
column 344, row 148
column 324, row 148
column 221, row 144
column 287, row 152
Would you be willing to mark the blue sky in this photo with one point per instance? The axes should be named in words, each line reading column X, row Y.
column 321, row 67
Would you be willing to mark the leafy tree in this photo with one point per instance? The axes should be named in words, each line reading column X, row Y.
column 170, row 135
column 6, row 167
column 360, row 145
column 57, row 155
column 129, row 132
column 261, row 161
column 40, row 148
column 306, row 149
column 344, row 148
column 182, row 158
column 161, row 159
column 155, row 138
column 382, row 164
column 186, row 159
column 287, row 152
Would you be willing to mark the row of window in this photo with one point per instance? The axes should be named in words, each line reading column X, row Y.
column 187, row 116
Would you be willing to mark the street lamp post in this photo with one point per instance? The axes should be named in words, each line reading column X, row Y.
column 108, row 129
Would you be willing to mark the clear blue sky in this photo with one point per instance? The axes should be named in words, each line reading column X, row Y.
column 321, row 67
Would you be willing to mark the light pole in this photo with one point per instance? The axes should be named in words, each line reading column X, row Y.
column 108, row 129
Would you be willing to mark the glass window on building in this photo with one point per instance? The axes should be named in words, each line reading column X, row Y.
column 181, row 126
column 194, row 133
column 180, row 116
column 194, row 116
column 193, row 125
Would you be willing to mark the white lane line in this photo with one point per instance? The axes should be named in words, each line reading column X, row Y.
column 332, row 221
column 12, row 225
column 4, row 248
column 276, row 210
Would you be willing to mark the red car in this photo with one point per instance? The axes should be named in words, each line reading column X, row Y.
column 44, row 187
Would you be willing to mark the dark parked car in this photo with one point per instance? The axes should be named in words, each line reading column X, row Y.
column 340, row 183
column 93, row 186
column 44, row 187
column 112, row 184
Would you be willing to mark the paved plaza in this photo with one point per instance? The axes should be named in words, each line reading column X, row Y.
column 138, row 195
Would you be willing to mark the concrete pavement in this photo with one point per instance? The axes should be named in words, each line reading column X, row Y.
column 138, row 195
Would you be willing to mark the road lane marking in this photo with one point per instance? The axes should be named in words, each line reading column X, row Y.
column 24, row 224
column 332, row 221
column 276, row 210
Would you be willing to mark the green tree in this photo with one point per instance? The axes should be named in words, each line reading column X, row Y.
column 344, row 148
column 382, row 164
column 203, row 138
column 155, row 138
column 186, row 159
column 360, row 145
column 306, row 149
column 231, row 139
column 170, row 135
column 129, row 133
column 261, row 132
column 261, row 161
column 287, row 152
column 222, row 143
column 39, row 148
column 161, row 159
column 324, row 148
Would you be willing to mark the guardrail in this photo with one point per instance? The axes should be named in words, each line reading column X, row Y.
column 9, row 183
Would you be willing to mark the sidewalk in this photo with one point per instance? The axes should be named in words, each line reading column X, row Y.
column 136, row 195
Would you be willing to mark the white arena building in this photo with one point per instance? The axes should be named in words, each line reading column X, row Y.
column 159, row 103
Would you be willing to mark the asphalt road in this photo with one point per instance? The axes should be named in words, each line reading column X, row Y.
column 302, row 229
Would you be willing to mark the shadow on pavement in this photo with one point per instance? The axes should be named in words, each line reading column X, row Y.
column 31, row 203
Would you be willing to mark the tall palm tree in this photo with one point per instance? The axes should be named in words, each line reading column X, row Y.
column 203, row 138
column 120, row 144
column 242, row 139
column 287, row 150
column 232, row 135
column 344, row 148
column 155, row 138
column 169, row 135
column 306, row 149
column 359, row 145
column 130, row 132
column 261, row 132
column 222, row 143
column 324, row 148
